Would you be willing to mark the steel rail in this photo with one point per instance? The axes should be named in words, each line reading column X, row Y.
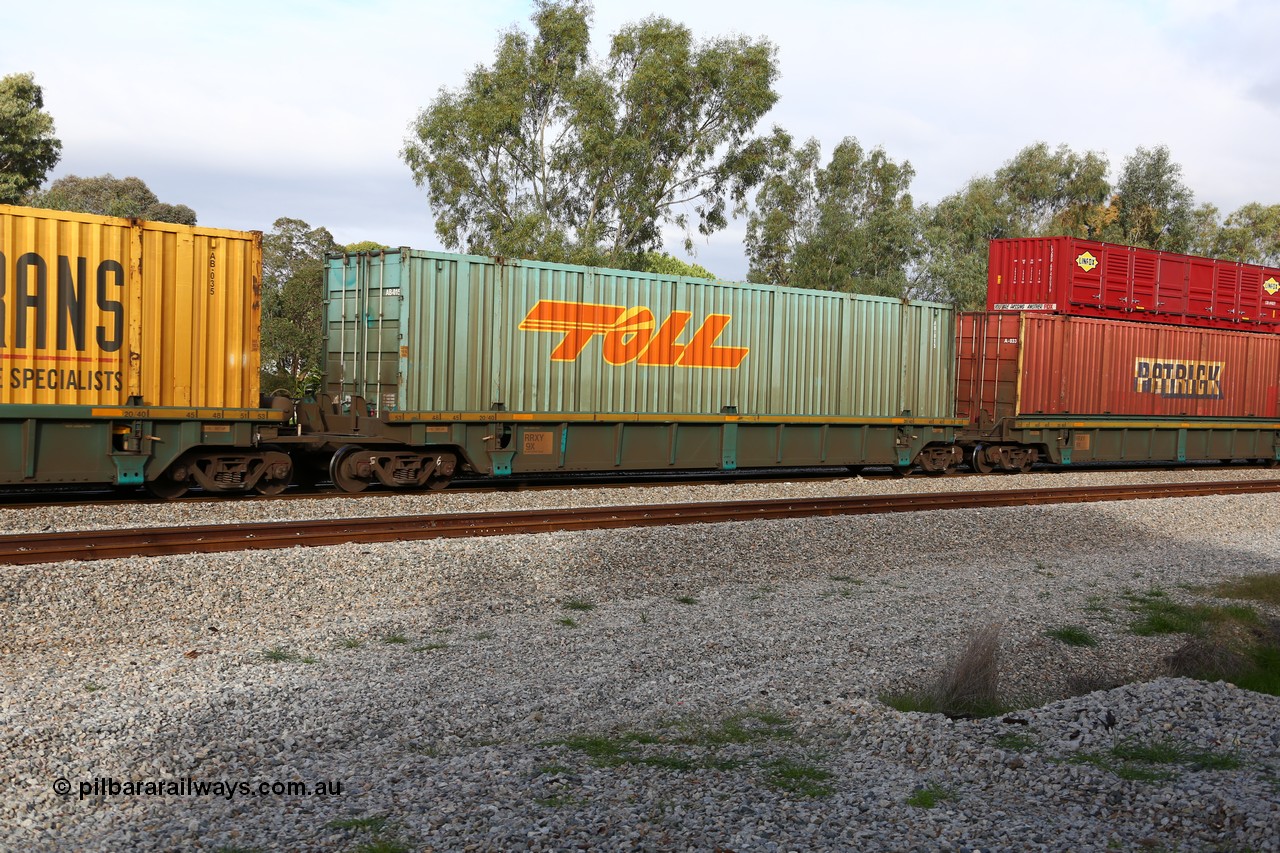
column 159, row 541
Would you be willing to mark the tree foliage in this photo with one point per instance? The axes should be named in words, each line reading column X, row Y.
column 293, row 258
column 107, row 195
column 1250, row 235
column 849, row 226
column 552, row 154
column 364, row 246
column 1155, row 209
column 28, row 148
column 1039, row 192
column 664, row 264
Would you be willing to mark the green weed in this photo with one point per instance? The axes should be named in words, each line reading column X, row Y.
column 795, row 777
column 1072, row 635
column 364, row 824
column 929, row 796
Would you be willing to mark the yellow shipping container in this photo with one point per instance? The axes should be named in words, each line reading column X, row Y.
column 97, row 310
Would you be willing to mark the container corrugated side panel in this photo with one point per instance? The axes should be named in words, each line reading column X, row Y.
column 87, row 364
column 1082, row 366
column 809, row 352
column 1068, row 275
column 165, row 313
column 201, row 317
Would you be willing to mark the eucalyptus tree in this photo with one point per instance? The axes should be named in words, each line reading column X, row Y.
column 551, row 153
column 850, row 225
column 28, row 148
column 1155, row 209
column 293, row 259
column 107, row 195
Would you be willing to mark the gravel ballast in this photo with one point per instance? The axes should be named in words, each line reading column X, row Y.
column 702, row 687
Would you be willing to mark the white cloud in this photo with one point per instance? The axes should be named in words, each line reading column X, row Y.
column 252, row 111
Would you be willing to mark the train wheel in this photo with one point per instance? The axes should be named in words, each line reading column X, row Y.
column 980, row 462
column 167, row 488
column 344, row 470
column 275, row 475
column 438, row 483
column 270, row 487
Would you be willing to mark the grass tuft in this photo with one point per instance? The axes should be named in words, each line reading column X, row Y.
column 280, row 654
column 795, row 777
column 364, row 824
column 1072, row 635
column 968, row 687
column 1264, row 588
column 929, row 796
column 351, row 643
column 1146, row 761
column 383, row 845
column 578, row 604
column 567, row 622
column 687, row 599
column 395, row 639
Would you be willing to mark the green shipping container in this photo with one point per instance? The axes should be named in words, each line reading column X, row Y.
column 413, row 331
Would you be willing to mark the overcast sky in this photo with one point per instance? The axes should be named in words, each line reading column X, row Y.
column 248, row 112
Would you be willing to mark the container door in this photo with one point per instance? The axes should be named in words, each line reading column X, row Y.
column 1200, row 286
column 1141, row 297
column 1248, row 297
column 1172, row 286
column 1226, row 286
column 364, row 299
column 987, row 367
column 1117, row 271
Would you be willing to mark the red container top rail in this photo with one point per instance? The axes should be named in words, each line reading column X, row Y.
column 1067, row 275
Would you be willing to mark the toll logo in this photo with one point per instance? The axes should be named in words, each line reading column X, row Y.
column 1175, row 378
column 1271, row 285
column 1086, row 261
column 632, row 334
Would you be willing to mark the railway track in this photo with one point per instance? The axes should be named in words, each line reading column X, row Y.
column 77, row 497
column 134, row 542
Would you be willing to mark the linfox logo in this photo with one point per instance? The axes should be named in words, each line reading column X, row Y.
column 633, row 335
column 1086, row 261
column 1166, row 377
column 1271, row 285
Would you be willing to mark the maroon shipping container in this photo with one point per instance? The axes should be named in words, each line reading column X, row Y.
column 1043, row 364
column 1064, row 275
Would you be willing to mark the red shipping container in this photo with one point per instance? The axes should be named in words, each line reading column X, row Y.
column 1064, row 275
column 1042, row 364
